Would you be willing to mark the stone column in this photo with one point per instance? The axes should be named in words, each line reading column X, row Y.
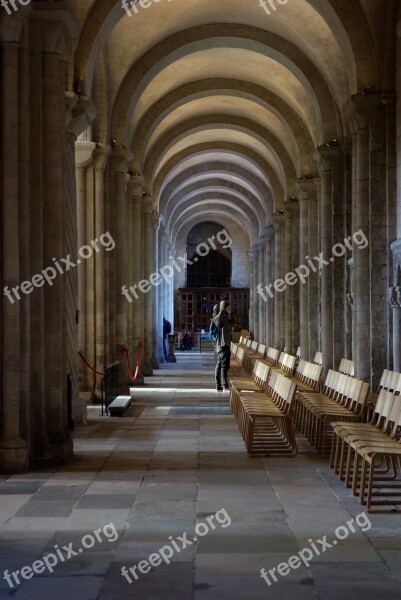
column 252, row 293
column 309, row 247
column 331, row 192
column 161, row 292
column 13, row 449
column 171, row 286
column 262, row 282
column 395, row 304
column 278, row 220
column 83, row 158
column 257, row 300
column 269, row 276
column 303, row 287
column 154, row 292
column 59, row 228
column 119, row 166
column 101, row 157
column 147, row 212
column 366, row 105
column 291, row 299
column 137, row 310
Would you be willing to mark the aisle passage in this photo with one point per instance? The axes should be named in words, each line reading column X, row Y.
column 175, row 460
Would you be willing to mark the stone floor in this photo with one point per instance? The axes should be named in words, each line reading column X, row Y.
column 174, row 460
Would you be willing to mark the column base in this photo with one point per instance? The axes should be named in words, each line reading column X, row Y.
column 147, row 370
column 13, row 456
column 155, row 363
column 79, row 411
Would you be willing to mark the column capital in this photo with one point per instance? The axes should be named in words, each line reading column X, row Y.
column 59, row 27
column 268, row 232
column 366, row 103
column 291, row 206
column 119, row 159
column 11, row 25
column 306, row 187
column 156, row 220
column 330, row 150
column 84, row 154
column 395, row 296
column 278, row 220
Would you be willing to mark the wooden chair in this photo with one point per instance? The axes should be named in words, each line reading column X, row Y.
column 267, row 427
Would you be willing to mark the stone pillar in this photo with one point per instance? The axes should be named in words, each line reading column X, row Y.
column 136, row 305
column 269, row 277
column 58, row 231
column 279, row 304
column 13, row 449
column 157, row 319
column 171, row 287
column 331, row 193
column 257, row 300
column 367, row 107
column 395, row 304
column 262, row 281
column 161, row 292
column 147, row 212
column 101, row 157
column 83, row 158
column 291, row 293
column 252, row 293
column 303, row 251
column 119, row 166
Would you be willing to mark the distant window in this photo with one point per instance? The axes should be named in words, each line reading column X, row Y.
column 213, row 270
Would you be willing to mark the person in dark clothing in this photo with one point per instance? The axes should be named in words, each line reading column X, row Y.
column 223, row 322
column 166, row 331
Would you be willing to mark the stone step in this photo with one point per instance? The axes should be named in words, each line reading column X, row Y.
column 119, row 406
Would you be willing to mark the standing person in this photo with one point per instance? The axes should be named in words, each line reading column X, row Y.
column 223, row 322
column 166, row 331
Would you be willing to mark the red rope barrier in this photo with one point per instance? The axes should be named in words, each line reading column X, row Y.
column 124, row 352
column 88, row 365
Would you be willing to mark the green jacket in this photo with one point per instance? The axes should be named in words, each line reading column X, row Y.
column 223, row 322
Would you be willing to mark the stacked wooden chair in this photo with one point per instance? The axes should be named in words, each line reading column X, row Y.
column 263, row 414
column 367, row 456
column 343, row 399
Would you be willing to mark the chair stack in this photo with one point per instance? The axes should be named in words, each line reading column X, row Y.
column 367, row 456
column 263, row 415
column 343, row 399
column 389, row 381
column 286, row 364
column 256, row 351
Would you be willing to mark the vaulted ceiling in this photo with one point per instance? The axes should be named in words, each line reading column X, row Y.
column 222, row 104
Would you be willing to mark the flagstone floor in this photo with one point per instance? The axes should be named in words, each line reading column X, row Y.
column 174, row 460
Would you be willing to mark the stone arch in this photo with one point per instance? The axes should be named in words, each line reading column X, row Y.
column 180, row 95
column 279, row 191
column 221, row 122
column 217, row 172
column 168, row 51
